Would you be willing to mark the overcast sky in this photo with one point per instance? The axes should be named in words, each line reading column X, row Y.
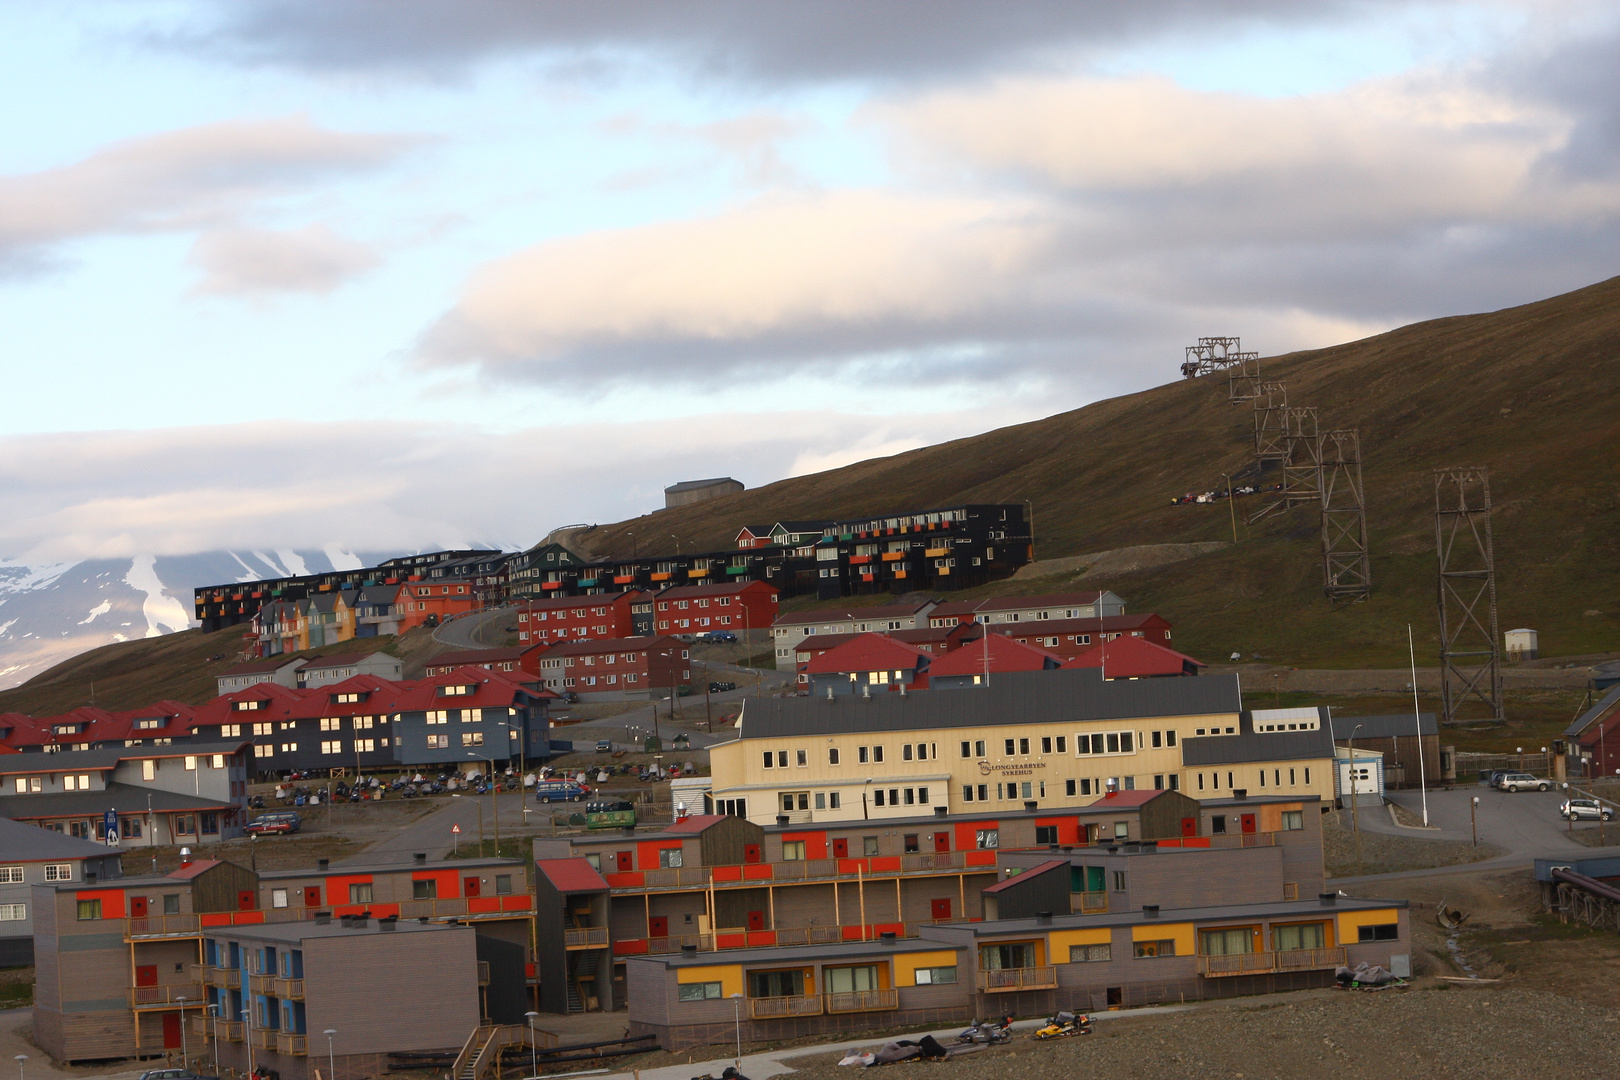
column 390, row 274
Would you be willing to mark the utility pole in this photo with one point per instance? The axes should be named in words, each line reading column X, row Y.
column 1470, row 651
column 1355, row 801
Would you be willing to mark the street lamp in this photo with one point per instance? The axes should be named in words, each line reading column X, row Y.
column 534, row 1070
column 247, row 1034
column 185, row 1057
column 1355, row 810
column 331, row 1055
column 736, row 1003
column 20, row 1059
column 213, row 1029
column 1472, row 820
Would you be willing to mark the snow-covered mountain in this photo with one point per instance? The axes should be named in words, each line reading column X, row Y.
column 49, row 613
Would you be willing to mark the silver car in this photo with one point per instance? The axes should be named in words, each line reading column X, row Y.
column 1578, row 809
column 1523, row 781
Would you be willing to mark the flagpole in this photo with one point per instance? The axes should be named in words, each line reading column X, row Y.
column 1417, row 720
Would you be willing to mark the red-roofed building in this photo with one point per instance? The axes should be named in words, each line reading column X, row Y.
column 629, row 668
column 595, row 617
column 517, row 660
column 868, row 662
column 435, row 602
column 1136, row 658
column 699, row 609
column 935, row 640
column 985, row 657
column 1069, row 638
column 1047, row 607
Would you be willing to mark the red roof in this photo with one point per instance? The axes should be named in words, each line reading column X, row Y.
column 1125, row 798
column 890, row 611
column 571, row 875
column 594, row 600
column 192, row 869
column 870, row 652
column 476, row 657
column 612, row 645
column 1040, row 868
column 339, row 660
column 1004, row 654
column 683, row 592
column 1044, row 600
column 262, row 667
column 696, row 823
column 1136, row 658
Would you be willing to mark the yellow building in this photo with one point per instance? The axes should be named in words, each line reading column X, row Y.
column 1029, row 740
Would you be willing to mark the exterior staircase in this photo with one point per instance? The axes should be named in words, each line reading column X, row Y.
column 580, row 990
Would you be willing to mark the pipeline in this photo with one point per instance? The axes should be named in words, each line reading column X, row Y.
column 1591, row 885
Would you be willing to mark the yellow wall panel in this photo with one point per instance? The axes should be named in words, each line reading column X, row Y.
column 906, row 965
column 1351, row 922
column 729, row 976
column 1181, row 933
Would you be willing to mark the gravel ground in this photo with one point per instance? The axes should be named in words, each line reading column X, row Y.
column 1481, row 1033
column 1383, row 853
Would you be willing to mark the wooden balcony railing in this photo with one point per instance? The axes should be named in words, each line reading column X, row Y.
column 1088, row 902
column 292, row 1044
column 159, row 926
column 155, row 997
column 863, row 1001
column 771, row 1008
column 1260, row 963
column 810, row 935
column 264, row 1038
column 673, row 943
column 214, row 975
column 583, row 937
column 1031, row 978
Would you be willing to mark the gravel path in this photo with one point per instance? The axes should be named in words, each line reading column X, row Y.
column 1477, row 1032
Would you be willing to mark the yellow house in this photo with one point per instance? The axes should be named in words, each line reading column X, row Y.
column 1029, row 740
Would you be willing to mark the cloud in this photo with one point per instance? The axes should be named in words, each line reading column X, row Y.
column 177, row 180
column 375, row 486
column 259, row 262
column 757, row 41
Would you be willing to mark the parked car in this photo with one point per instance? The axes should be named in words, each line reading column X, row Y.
column 174, row 1074
column 1523, row 781
column 604, row 746
column 1585, row 808
column 719, row 637
column 275, row 822
column 1495, row 779
column 560, row 791
column 721, row 687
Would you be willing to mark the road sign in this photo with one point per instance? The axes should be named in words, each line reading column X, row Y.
column 455, row 828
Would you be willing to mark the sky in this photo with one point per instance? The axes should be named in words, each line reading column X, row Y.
column 389, row 274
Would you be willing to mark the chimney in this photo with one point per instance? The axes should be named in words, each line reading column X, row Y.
column 1240, row 793
column 629, row 830
column 322, row 864
column 688, row 950
column 941, row 811
column 887, row 937
column 185, row 856
column 420, row 857
column 323, row 918
column 1328, row 899
column 1043, row 917
column 89, row 876
column 388, row 923
column 781, row 819
column 1150, row 911
column 1029, row 805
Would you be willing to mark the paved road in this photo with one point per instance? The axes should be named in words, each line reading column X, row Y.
column 1525, row 823
column 433, row 834
column 473, row 630
column 617, row 727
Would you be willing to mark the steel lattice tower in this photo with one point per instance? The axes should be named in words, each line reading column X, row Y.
column 1346, row 569
column 1470, row 651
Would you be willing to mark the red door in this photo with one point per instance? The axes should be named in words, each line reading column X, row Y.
column 1248, row 823
column 312, row 896
column 137, row 907
column 146, row 975
column 469, row 886
column 246, row 900
column 750, row 853
column 942, row 841
column 1189, row 826
column 941, row 909
column 171, row 1031
column 756, row 920
column 658, row 926
column 841, row 848
column 624, row 861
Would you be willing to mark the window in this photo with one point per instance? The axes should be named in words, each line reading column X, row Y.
column 82, row 781
column 703, row 991
column 793, row 850
column 263, row 750
column 289, row 748
column 1009, row 747
column 230, row 731
column 769, row 759
column 366, row 746
column 148, row 769
column 802, row 757
column 362, row 723
column 263, row 729
column 1090, row 954
column 985, row 839
column 936, row 976
column 832, row 755
column 360, row 893
column 1147, row 950
column 877, row 753
column 472, row 738
column 781, row 759
column 331, row 723
column 503, row 884
column 1119, row 881
column 11, row 875
column 1226, row 942
column 1293, row 819
column 869, row 845
column 425, row 890
column 278, row 898
column 217, row 762
column 13, row 912
column 91, row 909
column 849, row 980
column 333, row 746
column 185, row 824
column 1383, row 932
column 1046, row 834
column 1068, row 787
column 438, row 742
column 1294, row 938
column 905, row 751
column 438, row 716
column 1023, row 746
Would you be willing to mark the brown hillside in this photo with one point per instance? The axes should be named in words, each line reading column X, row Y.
column 1529, row 391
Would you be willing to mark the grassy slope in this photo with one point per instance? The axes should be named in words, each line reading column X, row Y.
column 1528, row 391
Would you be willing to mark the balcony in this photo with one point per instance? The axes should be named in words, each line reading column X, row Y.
column 1087, row 903
column 211, row 1028
column 297, row 1045
column 863, row 1001
column 213, row 975
column 1009, row 979
column 1264, row 963
column 585, row 937
column 176, row 995
column 675, row 942
column 263, row 1039
column 277, row 987
column 811, row 935
column 152, row 927
column 775, row 1008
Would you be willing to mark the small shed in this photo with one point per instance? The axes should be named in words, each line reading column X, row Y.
column 1521, row 644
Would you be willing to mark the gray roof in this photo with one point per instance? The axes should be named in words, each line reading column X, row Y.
column 108, row 757
column 694, row 485
column 1591, row 716
column 1249, row 746
column 124, row 798
column 30, row 843
column 1385, row 727
column 1066, row 695
column 358, row 867
column 795, row 952
column 293, row 932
